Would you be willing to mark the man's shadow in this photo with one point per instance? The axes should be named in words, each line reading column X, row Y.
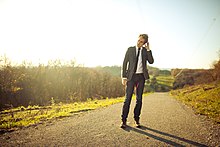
column 143, row 129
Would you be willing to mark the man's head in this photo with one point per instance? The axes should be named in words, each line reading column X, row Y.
column 142, row 39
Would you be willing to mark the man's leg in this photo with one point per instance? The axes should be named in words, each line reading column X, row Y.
column 127, row 102
column 139, row 93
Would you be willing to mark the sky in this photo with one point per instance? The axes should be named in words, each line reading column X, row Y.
column 182, row 33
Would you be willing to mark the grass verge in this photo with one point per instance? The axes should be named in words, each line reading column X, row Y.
column 23, row 117
column 26, row 116
column 205, row 99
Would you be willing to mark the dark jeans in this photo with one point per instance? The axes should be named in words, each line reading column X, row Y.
column 138, row 82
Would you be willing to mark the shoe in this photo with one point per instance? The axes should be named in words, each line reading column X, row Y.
column 138, row 125
column 123, row 125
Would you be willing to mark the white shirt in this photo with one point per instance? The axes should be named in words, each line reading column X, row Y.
column 139, row 64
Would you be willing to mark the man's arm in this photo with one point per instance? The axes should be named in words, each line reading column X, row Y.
column 150, row 58
column 124, row 68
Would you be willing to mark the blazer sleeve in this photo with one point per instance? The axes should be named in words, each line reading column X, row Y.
column 150, row 58
column 124, row 66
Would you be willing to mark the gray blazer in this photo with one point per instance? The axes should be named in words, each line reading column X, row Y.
column 129, row 62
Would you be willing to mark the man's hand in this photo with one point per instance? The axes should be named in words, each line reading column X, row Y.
column 147, row 46
column 124, row 81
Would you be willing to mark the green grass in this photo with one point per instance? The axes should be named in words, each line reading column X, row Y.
column 22, row 117
column 165, row 80
column 205, row 99
column 164, row 83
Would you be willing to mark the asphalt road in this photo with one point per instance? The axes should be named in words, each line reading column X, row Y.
column 165, row 122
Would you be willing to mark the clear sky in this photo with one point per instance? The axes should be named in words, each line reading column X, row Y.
column 182, row 33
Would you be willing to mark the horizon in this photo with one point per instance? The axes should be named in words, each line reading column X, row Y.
column 73, row 62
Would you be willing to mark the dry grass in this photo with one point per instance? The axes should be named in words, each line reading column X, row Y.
column 204, row 98
column 22, row 117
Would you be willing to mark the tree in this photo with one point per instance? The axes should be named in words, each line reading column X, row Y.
column 216, row 70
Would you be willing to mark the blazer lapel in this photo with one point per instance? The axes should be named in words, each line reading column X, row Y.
column 134, row 52
column 142, row 54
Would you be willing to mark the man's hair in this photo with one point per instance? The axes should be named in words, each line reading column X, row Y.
column 145, row 36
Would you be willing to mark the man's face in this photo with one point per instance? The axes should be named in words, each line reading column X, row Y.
column 140, row 41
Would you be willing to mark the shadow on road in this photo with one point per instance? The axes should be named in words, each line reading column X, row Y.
column 143, row 129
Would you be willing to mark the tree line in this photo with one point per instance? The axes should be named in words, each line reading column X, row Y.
column 37, row 85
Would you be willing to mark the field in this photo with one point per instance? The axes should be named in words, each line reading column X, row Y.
column 165, row 80
column 160, row 83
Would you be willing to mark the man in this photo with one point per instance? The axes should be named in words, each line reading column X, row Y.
column 134, row 74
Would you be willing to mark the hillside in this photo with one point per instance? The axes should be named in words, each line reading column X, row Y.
column 200, row 89
column 116, row 70
column 191, row 77
column 160, row 80
column 203, row 98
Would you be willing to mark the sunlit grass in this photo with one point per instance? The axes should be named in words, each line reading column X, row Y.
column 165, row 80
column 26, row 116
column 205, row 99
column 22, row 117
